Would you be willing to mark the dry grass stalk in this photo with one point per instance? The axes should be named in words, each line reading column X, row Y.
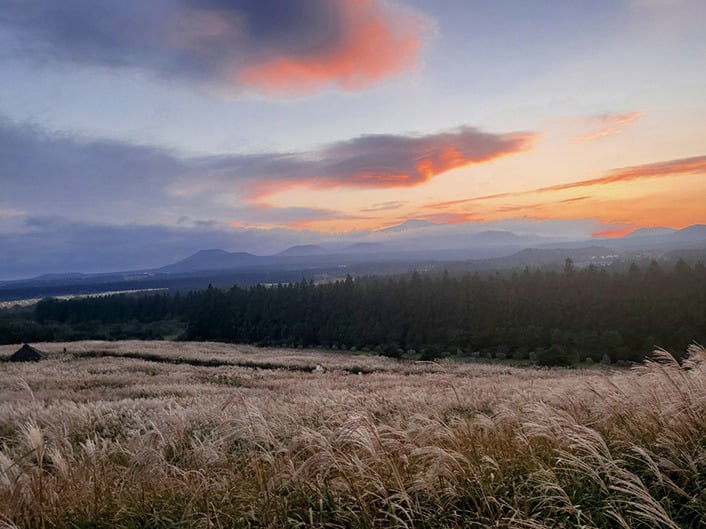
column 125, row 442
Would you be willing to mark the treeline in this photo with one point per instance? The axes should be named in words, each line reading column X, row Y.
column 562, row 317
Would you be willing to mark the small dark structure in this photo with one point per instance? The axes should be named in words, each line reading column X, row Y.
column 26, row 353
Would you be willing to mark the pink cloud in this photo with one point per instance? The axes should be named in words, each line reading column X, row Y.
column 375, row 41
column 608, row 125
column 272, row 47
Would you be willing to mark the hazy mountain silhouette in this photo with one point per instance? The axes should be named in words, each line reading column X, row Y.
column 303, row 250
column 661, row 238
column 441, row 242
column 212, row 260
column 364, row 247
column 390, row 252
column 650, row 232
column 495, row 237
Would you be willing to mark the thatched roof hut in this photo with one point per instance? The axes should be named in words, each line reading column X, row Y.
column 26, row 353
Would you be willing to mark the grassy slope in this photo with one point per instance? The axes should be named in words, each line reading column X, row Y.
column 124, row 442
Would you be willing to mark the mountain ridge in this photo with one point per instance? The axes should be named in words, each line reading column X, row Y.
column 434, row 243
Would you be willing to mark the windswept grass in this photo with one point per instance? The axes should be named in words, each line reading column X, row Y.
column 122, row 440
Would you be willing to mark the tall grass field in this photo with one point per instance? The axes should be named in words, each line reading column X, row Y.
column 206, row 435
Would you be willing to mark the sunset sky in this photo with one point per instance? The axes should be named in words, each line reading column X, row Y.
column 158, row 128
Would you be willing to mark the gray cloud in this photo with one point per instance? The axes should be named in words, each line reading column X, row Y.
column 110, row 181
column 59, row 245
column 278, row 215
column 70, row 203
column 385, row 206
column 274, row 46
column 368, row 162
column 386, row 160
column 55, row 174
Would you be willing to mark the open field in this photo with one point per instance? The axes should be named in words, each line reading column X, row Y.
column 28, row 302
column 163, row 434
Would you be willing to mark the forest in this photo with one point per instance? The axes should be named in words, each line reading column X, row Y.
column 553, row 318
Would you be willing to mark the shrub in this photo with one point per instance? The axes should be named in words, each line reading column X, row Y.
column 554, row 356
column 392, row 351
column 429, row 354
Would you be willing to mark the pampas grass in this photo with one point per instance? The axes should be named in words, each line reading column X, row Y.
column 121, row 441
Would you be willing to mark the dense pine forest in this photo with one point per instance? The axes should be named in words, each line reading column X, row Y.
column 551, row 317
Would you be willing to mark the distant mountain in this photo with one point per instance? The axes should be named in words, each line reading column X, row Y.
column 431, row 245
column 498, row 237
column 303, row 250
column 650, row 232
column 212, row 260
column 419, row 240
column 363, row 247
column 661, row 239
column 440, row 242
column 544, row 256
column 695, row 232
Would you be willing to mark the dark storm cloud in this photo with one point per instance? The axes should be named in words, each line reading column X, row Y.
column 273, row 46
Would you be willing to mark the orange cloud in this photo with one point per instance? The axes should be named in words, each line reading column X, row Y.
column 608, row 125
column 696, row 164
column 260, row 189
column 452, row 218
column 614, row 233
column 374, row 41
column 446, row 157
column 379, row 161
column 673, row 206
column 451, row 203
column 335, row 225
column 658, row 207
column 283, row 47
column 575, row 199
column 675, row 202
